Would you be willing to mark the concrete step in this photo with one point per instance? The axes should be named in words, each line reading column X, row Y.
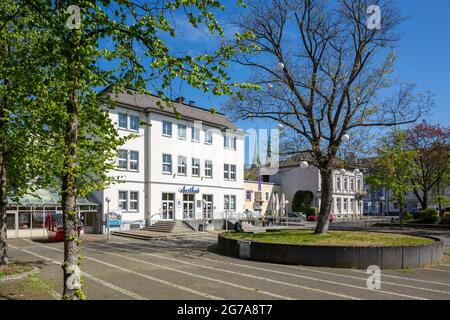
column 176, row 226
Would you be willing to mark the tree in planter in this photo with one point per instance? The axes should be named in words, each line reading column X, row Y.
column 432, row 143
column 331, row 70
column 302, row 201
column 394, row 167
column 114, row 31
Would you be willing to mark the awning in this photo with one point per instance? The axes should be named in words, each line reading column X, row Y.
column 41, row 197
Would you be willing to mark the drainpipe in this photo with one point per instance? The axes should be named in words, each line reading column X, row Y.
column 147, row 166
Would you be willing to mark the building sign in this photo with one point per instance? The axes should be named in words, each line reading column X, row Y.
column 186, row 189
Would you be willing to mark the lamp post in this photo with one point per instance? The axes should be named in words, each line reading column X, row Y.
column 108, row 200
column 226, row 214
column 381, row 206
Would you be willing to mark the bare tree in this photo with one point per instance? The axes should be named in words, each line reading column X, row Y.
column 331, row 69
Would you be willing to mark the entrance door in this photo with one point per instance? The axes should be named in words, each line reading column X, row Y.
column 188, row 206
column 207, row 206
column 12, row 224
column 168, row 206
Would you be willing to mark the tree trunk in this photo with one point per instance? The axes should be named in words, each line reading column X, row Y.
column 72, row 273
column 3, row 192
column 425, row 200
column 325, row 201
column 3, row 204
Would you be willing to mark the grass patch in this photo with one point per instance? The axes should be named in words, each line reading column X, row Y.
column 14, row 268
column 332, row 238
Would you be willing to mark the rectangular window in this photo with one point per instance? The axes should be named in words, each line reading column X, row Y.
column 134, row 123
column 352, row 205
column 167, row 129
column 123, row 121
column 345, row 184
column 232, row 172
column 208, row 169
column 123, row 159
column 226, row 171
column 233, row 203
column 358, row 185
column 182, row 165
column 195, row 167
column 338, row 183
column 167, row 163
column 182, row 131
column 134, row 203
column 208, row 137
column 195, row 134
column 229, row 202
column 339, row 205
column 229, row 142
column 134, row 160
column 352, row 185
column 248, row 195
column 123, row 200
column 345, row 204
column 267, row 196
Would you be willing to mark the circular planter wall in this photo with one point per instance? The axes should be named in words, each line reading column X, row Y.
column 388, row 257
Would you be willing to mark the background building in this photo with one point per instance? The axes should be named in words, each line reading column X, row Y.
column 269, row 191
column 348, row 186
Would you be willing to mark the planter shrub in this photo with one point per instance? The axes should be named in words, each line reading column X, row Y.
column 429, row 216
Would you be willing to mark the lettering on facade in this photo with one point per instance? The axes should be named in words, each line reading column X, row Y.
column 186, row 189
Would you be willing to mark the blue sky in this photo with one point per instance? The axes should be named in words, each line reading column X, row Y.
column 423, row 56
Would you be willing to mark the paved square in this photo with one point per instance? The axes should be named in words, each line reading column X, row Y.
column 184, row 268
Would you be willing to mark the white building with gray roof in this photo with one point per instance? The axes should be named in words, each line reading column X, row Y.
column 187, row 168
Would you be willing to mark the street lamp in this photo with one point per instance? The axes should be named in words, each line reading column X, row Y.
column 280, row 66
column 345, row 138
column 108, row 200
column 304, row 164
column 280, row 127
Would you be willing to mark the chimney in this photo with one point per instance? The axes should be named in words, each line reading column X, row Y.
column 191, row 102
column 180, row 99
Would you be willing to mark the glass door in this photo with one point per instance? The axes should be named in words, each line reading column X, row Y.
column 188, row 206
column 12, row 223
column 207, row 206
column 168, row 206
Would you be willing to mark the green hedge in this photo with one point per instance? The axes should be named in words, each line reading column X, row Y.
column 302, row 201
column 429, row 216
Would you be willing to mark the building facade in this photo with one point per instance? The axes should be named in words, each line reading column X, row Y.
column 348, row 187
column 184, row 168
column 254, row 202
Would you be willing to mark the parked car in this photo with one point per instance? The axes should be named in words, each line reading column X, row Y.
column 316, row 218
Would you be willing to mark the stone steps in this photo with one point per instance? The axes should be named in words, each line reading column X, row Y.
column 169, row 227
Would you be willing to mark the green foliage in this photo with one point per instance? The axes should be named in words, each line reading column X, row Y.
column 302, row 201
column 429, row 216
column 393, row 167
column 408, row 216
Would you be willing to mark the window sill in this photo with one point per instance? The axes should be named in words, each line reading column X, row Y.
column 166, row 136
column 129, row 130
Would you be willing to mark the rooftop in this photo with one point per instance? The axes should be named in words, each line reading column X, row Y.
column 148, row 102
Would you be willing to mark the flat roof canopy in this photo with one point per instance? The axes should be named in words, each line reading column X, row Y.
column 41, row 197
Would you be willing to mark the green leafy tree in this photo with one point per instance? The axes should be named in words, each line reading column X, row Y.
column 132, row 38
column 25, row 147
column 394, row 167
